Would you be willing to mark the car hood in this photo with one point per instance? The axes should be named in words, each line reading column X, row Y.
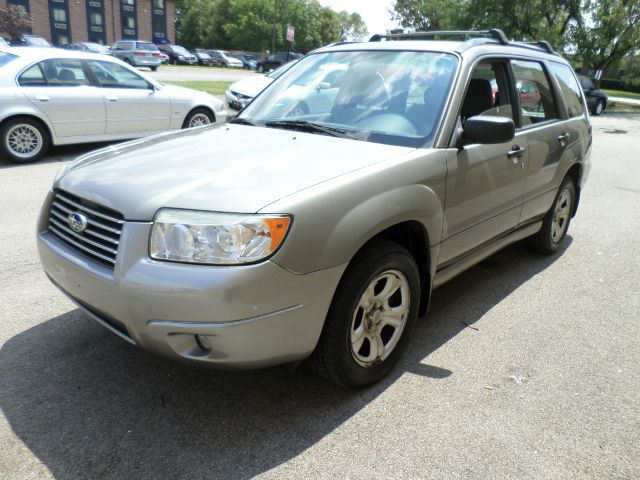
column 224, row 168
column 251, row 86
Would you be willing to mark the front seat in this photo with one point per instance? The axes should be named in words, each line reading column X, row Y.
column 478, row 98
column 362, row 92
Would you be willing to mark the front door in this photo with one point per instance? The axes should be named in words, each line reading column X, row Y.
column 484, row 182
column 132, row 103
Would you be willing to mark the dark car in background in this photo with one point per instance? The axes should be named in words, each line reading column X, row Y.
column 178, row 55
column 248, row 62
column 274, row 60
column 204, row 59
column 596, row 99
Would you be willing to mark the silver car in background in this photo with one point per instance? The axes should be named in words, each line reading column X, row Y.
column 58, row 97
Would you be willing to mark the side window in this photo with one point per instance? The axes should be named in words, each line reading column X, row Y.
column 115, row 76
column 569, row 88
column 536, row 98
column 488, row 92
column 32, row 76
column 64, row 72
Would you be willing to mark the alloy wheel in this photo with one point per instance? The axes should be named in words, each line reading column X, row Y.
column 561, row 215
column 24, row 140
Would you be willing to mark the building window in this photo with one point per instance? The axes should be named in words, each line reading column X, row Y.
column 158, row 4
column 131, row 23
column 59, row 15
column 96, row 19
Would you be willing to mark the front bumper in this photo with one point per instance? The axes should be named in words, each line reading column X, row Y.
column 253, row 315
column 237, row 101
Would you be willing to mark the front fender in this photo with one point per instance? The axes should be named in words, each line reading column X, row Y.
column 333, row 220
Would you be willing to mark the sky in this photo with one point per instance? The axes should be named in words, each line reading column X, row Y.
column 373, row 12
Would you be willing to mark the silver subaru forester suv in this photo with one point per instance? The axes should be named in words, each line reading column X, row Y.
column 317, row 222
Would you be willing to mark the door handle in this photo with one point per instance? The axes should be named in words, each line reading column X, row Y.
column 43, row 98
column 515, row 153
column 112, row 99
column 563, row 138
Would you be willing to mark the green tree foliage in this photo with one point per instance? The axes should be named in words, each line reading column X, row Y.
column 259, row 25
column 14, row 21
column 600, row 32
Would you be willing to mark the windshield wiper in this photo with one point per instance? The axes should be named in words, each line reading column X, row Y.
column 304, row 126
column 242, row 121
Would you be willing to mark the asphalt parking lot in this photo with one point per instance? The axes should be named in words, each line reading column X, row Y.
column 525, row 367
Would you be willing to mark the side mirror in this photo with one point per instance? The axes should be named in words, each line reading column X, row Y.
column 488, row 129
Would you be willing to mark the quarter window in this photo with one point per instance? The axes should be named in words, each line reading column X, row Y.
column 32, row 76
column 569, row 88
column 532, row 86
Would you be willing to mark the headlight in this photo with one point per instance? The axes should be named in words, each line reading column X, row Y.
column 215, row 238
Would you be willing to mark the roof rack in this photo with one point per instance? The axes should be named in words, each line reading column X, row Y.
column 473, row 37
column 494, row 33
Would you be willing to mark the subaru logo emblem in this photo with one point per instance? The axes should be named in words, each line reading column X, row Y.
column 77, row 222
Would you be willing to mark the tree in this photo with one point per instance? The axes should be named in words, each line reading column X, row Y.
column 14, row 21
column 352, row 26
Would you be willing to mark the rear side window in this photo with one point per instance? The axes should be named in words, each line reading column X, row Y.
column 569, row 88
column 146, row 46
column 32, row 76
column 536, row 98
column 64, row 71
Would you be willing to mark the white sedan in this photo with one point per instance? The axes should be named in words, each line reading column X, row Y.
column 53, row 96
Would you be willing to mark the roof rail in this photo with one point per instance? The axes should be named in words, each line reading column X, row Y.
column 494, row 33
column 477, row 37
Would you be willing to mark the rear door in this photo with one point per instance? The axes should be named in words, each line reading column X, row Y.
column 484, row 182
column 132, row 104
column 60, row 87
column 547, row 135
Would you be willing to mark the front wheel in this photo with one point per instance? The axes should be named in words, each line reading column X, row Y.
column 198, row 117
column 153, row 69
column 24, row 140
column 555, row 223
column 599, row 108
column 260, row 69
column 370, row 318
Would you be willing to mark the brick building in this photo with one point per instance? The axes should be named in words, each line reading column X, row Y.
column 100, row 21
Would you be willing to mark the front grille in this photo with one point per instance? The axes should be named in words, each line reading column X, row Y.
column 101, row 237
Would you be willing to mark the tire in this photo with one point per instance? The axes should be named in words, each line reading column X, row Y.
column 260, row 69
column 555, row 223
column 24, row 140
column 599, row 108
column 199, row 117
column 381, row 277
column 153, row 69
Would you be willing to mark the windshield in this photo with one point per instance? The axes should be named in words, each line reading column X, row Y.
column 150, row 47
column 6, row 58
column 203, row 55
column 281, row 69
column 385, row 97
column 180, row 50
column 37, row 41
column 96, row 47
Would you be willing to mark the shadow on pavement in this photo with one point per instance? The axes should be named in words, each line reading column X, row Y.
column 90, row 405
column 57, row 154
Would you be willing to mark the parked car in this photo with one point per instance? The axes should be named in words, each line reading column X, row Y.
column 596, row 99
column 204, row 59
column 137, row 53
column 240, row 93
column 221, row 58
column 30, row 41
column 248, row 62
column 178, row 55
column 284, row 236
column 274, row 60
column 90, row 47
column 61, row 97
column 164, row 58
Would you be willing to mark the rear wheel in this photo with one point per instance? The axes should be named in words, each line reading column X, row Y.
column 153, row 69
column 24, row 140
column 556, row 222
column 370, row 318
column 260, row 69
